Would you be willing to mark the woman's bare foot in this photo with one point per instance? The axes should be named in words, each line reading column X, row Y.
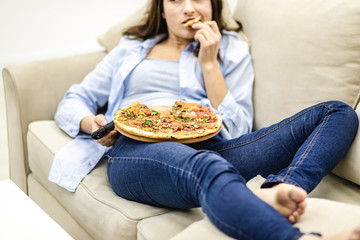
column 289, row 200
column 350, row 235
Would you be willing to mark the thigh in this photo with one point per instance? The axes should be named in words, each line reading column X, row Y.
column 161, row 174
column 271, row 149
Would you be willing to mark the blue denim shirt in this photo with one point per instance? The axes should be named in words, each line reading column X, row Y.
column 105, row 84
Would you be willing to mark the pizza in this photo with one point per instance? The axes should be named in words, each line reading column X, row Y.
column 180, row 122
column 192, row 22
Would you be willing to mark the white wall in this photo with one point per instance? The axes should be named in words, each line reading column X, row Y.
column 40, row 29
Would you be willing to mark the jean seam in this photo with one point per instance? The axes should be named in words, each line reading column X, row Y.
column 311, row 144
column 272, row 129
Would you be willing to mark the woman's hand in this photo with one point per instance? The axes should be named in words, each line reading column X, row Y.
column 90, row 124
column 209, row 36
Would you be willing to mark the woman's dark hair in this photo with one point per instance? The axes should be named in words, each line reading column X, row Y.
column 154, row 24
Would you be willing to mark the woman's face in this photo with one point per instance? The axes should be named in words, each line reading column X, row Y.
column 178, row 12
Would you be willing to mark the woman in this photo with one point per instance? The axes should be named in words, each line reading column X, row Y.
column 162, row 61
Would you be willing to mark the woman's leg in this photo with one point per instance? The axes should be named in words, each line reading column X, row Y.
column 175, row 175
column 300, row 150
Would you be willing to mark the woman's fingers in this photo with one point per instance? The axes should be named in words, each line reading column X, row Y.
column 209, row 36
column 109, row 139
column 211, row 26
column 100, row 120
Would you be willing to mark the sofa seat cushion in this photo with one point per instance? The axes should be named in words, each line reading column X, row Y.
column 165, row 226
column 104, row 215
column 322, row 216
column 94, row 205
column 194, row 224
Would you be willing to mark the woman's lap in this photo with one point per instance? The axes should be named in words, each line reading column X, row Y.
column 278, row 148
column 161, row 174
column 213, row 174
column 184, row 177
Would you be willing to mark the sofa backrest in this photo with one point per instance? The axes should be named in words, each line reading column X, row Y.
column 304, row 52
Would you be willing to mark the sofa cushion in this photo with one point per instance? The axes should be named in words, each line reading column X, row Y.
column 112, row 36
column 304, row 52
column 322, row 216
column 153, row 228
column 94, row 205
column 197, row 226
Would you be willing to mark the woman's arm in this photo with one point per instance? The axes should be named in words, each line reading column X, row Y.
column 209, row 37
column 215, row 85
column 236, row 109
column 83, row 99
column 229, row 89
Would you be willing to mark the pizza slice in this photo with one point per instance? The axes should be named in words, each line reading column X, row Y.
column 192, row 22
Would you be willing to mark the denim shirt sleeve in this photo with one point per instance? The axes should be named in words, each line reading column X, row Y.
column 84, row 99
column 236, row 108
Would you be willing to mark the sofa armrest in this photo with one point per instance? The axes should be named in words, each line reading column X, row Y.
column 32, row 92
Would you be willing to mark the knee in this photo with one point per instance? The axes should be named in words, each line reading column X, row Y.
column 349, row 112
column 210, row 164
column 349, row 116
column 353, row 119
column 213, row 171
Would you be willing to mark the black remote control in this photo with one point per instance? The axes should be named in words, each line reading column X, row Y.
column 102, row 131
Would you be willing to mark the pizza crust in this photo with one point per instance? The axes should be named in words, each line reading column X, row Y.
column 185, row 141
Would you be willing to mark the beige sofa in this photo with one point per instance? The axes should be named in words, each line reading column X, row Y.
column 303, row 52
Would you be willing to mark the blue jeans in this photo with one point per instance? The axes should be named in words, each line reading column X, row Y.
column 299, row 150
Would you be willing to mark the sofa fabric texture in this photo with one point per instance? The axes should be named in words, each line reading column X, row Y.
column 32, row 92
column 322, row 216
column 311, row 57
column 303, row 52
column 94, row 201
